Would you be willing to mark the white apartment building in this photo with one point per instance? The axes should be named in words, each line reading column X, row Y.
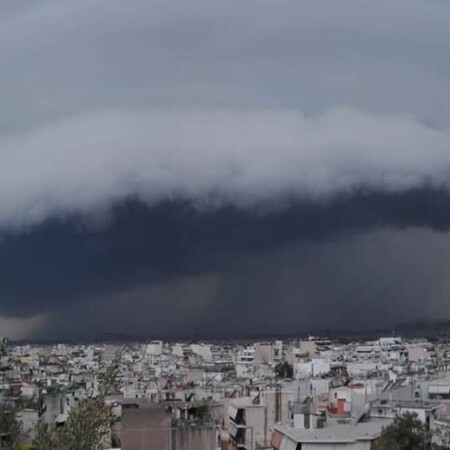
column 358, row 436
column 252, row 419
column 245, row 362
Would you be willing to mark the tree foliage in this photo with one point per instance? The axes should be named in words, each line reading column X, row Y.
column 87, row 427
column 45, row 438
column 4, row 347
column 284, row 370
column 441, row 438
column 9, row 427
column 89, row 424
column 110, row 380
column 407, row 432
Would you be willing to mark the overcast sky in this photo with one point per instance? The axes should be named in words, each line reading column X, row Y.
column 172, row 167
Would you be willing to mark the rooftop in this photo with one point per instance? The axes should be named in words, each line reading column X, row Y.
column 409, row 404
column 338, row 433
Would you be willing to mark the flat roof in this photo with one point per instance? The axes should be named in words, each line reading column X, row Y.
column 244, row 402
column 339, row 433
column 406, row 404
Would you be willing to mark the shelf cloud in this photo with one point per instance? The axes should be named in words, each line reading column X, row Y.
column 254, row 159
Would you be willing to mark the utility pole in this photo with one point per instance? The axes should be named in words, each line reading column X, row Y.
column 213, row 429
column 173, row 437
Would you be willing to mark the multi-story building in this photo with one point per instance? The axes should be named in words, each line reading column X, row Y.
column 252, row 419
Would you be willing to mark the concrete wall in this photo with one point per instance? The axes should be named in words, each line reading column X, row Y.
column 203, row 351
column 28, row 420
column 255, row 419
column 55, row 405
column 308, row 346
column 150, row 428
column 264, row 354
column 154, row 348
column 194, row 438
column 320, row 386
column 362, row 445
column 268, row 399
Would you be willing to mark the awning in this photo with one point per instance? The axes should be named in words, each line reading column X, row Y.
column 233, row 430
column 277, row 438
column 232, row 412
column 439, row 389
column 288, row 444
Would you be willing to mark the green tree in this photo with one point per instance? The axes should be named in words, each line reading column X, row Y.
column 4, row 347
column 89, row 424
column 87, row 427
column 45, row 438
column 284, row 370
column 406, row 432
column 110, row 380
column 441, row 438
column 9, row 427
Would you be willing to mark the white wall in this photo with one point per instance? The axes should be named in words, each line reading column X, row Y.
column 320, row 366
column 303, row 369
column 204, row 351
column 319, row 386
column 255, row 418
column 154, row 348
column 363, row 445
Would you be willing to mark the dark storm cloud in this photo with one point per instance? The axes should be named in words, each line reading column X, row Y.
column 367, row 281
column 152, row 147
column 62, row 262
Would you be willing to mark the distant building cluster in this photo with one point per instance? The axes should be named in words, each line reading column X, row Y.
column 308, row 394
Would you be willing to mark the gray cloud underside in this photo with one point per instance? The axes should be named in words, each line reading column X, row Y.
column 67, row 57
column 213, row 158
column 370, row 280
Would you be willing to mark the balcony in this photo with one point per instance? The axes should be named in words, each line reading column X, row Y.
column 237, row 433
column 237, row 415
